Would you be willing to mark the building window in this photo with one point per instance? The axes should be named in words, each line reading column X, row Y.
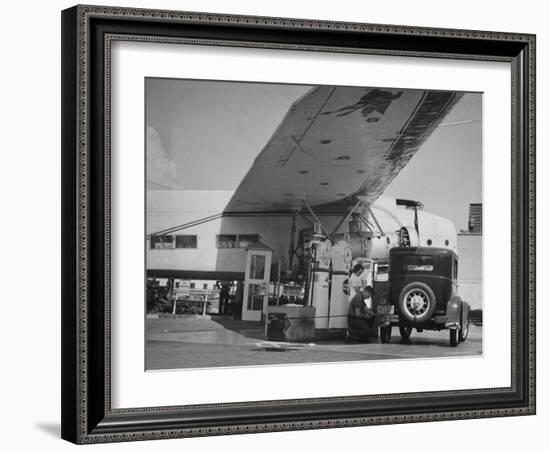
column 246, row 240
column 191, row 285
column 237, row 240
column 162, row 242
column 227, row 241
column 205, row 286
column 186, row 241
column 257, row 267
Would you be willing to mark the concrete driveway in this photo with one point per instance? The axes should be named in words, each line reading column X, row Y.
column 185, row 343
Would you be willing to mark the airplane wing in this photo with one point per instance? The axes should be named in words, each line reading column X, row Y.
column 336, row 142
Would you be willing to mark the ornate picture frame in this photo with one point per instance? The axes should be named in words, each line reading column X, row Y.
column 88, row 33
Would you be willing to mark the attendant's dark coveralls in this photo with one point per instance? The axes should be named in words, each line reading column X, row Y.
column 360, row 318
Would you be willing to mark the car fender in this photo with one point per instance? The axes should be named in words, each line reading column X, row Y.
column 454, row 307
column 465, row 312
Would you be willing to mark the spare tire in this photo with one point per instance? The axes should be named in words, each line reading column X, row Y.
column 416, row 302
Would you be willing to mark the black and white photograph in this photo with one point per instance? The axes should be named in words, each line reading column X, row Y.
column 300, row 224
column 275, row 225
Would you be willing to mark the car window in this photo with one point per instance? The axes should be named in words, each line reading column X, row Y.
column 455, row 269
column 418, row 263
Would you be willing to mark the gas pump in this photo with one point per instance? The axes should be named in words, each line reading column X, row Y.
column 341, row 256
column 320, row 251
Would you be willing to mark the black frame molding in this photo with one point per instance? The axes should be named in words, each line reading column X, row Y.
column 87, row 33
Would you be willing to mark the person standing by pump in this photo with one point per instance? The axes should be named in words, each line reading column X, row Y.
column 355, row 284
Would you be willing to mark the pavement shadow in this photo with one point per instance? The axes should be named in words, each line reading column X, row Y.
column 256, row 330
column 274, row 349
column 417, row 342
column 244, row 328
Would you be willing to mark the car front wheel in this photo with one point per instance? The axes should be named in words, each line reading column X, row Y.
column 464, row 328
column 405, row 331
column 453, row 335
column 463, row 334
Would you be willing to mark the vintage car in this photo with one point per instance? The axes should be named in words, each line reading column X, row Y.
column 421, row 293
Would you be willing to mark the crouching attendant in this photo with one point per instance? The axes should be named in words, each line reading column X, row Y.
column 361, row 316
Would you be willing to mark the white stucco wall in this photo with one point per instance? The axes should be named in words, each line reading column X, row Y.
column 470, row 264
